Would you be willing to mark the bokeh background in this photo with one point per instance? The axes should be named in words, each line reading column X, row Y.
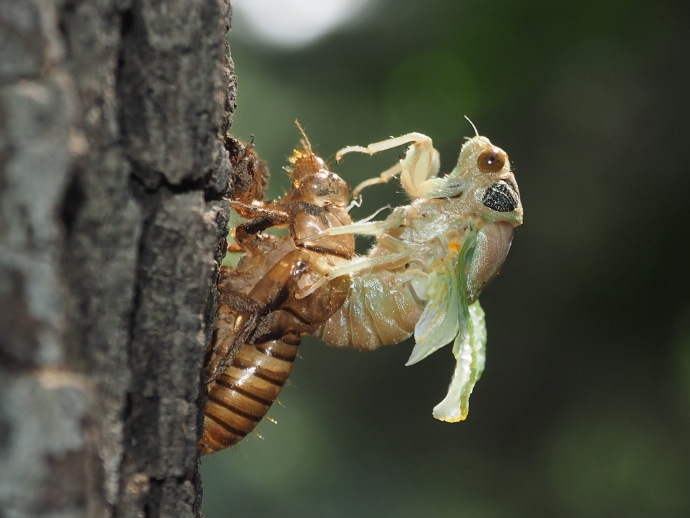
column 584, row 407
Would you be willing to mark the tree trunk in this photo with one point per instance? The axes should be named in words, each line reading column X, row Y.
column 112, row 167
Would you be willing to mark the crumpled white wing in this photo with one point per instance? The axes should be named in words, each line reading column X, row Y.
column 469, row 350
column 449, row 316
column 439, row 323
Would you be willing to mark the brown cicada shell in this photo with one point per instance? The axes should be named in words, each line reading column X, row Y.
column 250, row 172
column 260, row 315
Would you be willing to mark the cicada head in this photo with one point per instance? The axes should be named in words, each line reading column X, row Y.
column 492, row 199
column 487, row 181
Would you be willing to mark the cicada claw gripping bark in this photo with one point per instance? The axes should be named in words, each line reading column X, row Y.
column 431, row 260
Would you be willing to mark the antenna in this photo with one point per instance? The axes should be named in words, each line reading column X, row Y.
column 307, row 144
column 473, row 126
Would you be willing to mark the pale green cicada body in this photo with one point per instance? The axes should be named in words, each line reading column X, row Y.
column 431, row 260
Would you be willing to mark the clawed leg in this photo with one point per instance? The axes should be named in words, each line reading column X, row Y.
column 382, row 178
column 383, row 145
column 248, row 234
column 421, row 162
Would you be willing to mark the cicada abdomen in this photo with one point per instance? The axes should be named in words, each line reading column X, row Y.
column 260, row 315
column 381, row 309
column 241, row 395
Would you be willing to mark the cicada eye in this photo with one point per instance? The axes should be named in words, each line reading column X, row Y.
column 491, row 160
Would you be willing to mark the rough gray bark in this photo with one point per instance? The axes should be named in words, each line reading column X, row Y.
column 112, row 163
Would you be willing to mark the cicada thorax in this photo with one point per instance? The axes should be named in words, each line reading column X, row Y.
column 261, row 316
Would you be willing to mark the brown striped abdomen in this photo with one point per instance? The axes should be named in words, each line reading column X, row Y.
column 240, row 397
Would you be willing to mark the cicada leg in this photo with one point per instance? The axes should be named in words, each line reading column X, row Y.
column 421, row 162
column 248, row 234
column 366, row 228
column 388, row 261
column 382, row 178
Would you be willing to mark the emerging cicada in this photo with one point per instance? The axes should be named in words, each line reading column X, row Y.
column 260, row 314
column 431, row 260
column 423, row 276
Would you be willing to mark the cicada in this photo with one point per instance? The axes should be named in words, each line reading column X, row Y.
column 431, row 260
column 260, row 318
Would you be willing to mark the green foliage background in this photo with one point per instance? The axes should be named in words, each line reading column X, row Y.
column 584, row 407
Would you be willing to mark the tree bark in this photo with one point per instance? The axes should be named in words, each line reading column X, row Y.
column 112, row 167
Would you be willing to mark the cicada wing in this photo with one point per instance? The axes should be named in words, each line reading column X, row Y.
column 469, row 350
column 439, row 323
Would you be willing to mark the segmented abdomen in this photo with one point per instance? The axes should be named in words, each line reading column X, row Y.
column 380, row 309
column 241, row 396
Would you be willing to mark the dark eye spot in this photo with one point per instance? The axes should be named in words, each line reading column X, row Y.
column 491, row 160
column 500, row 197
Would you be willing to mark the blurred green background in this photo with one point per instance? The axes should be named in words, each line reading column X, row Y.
column 584, row 407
